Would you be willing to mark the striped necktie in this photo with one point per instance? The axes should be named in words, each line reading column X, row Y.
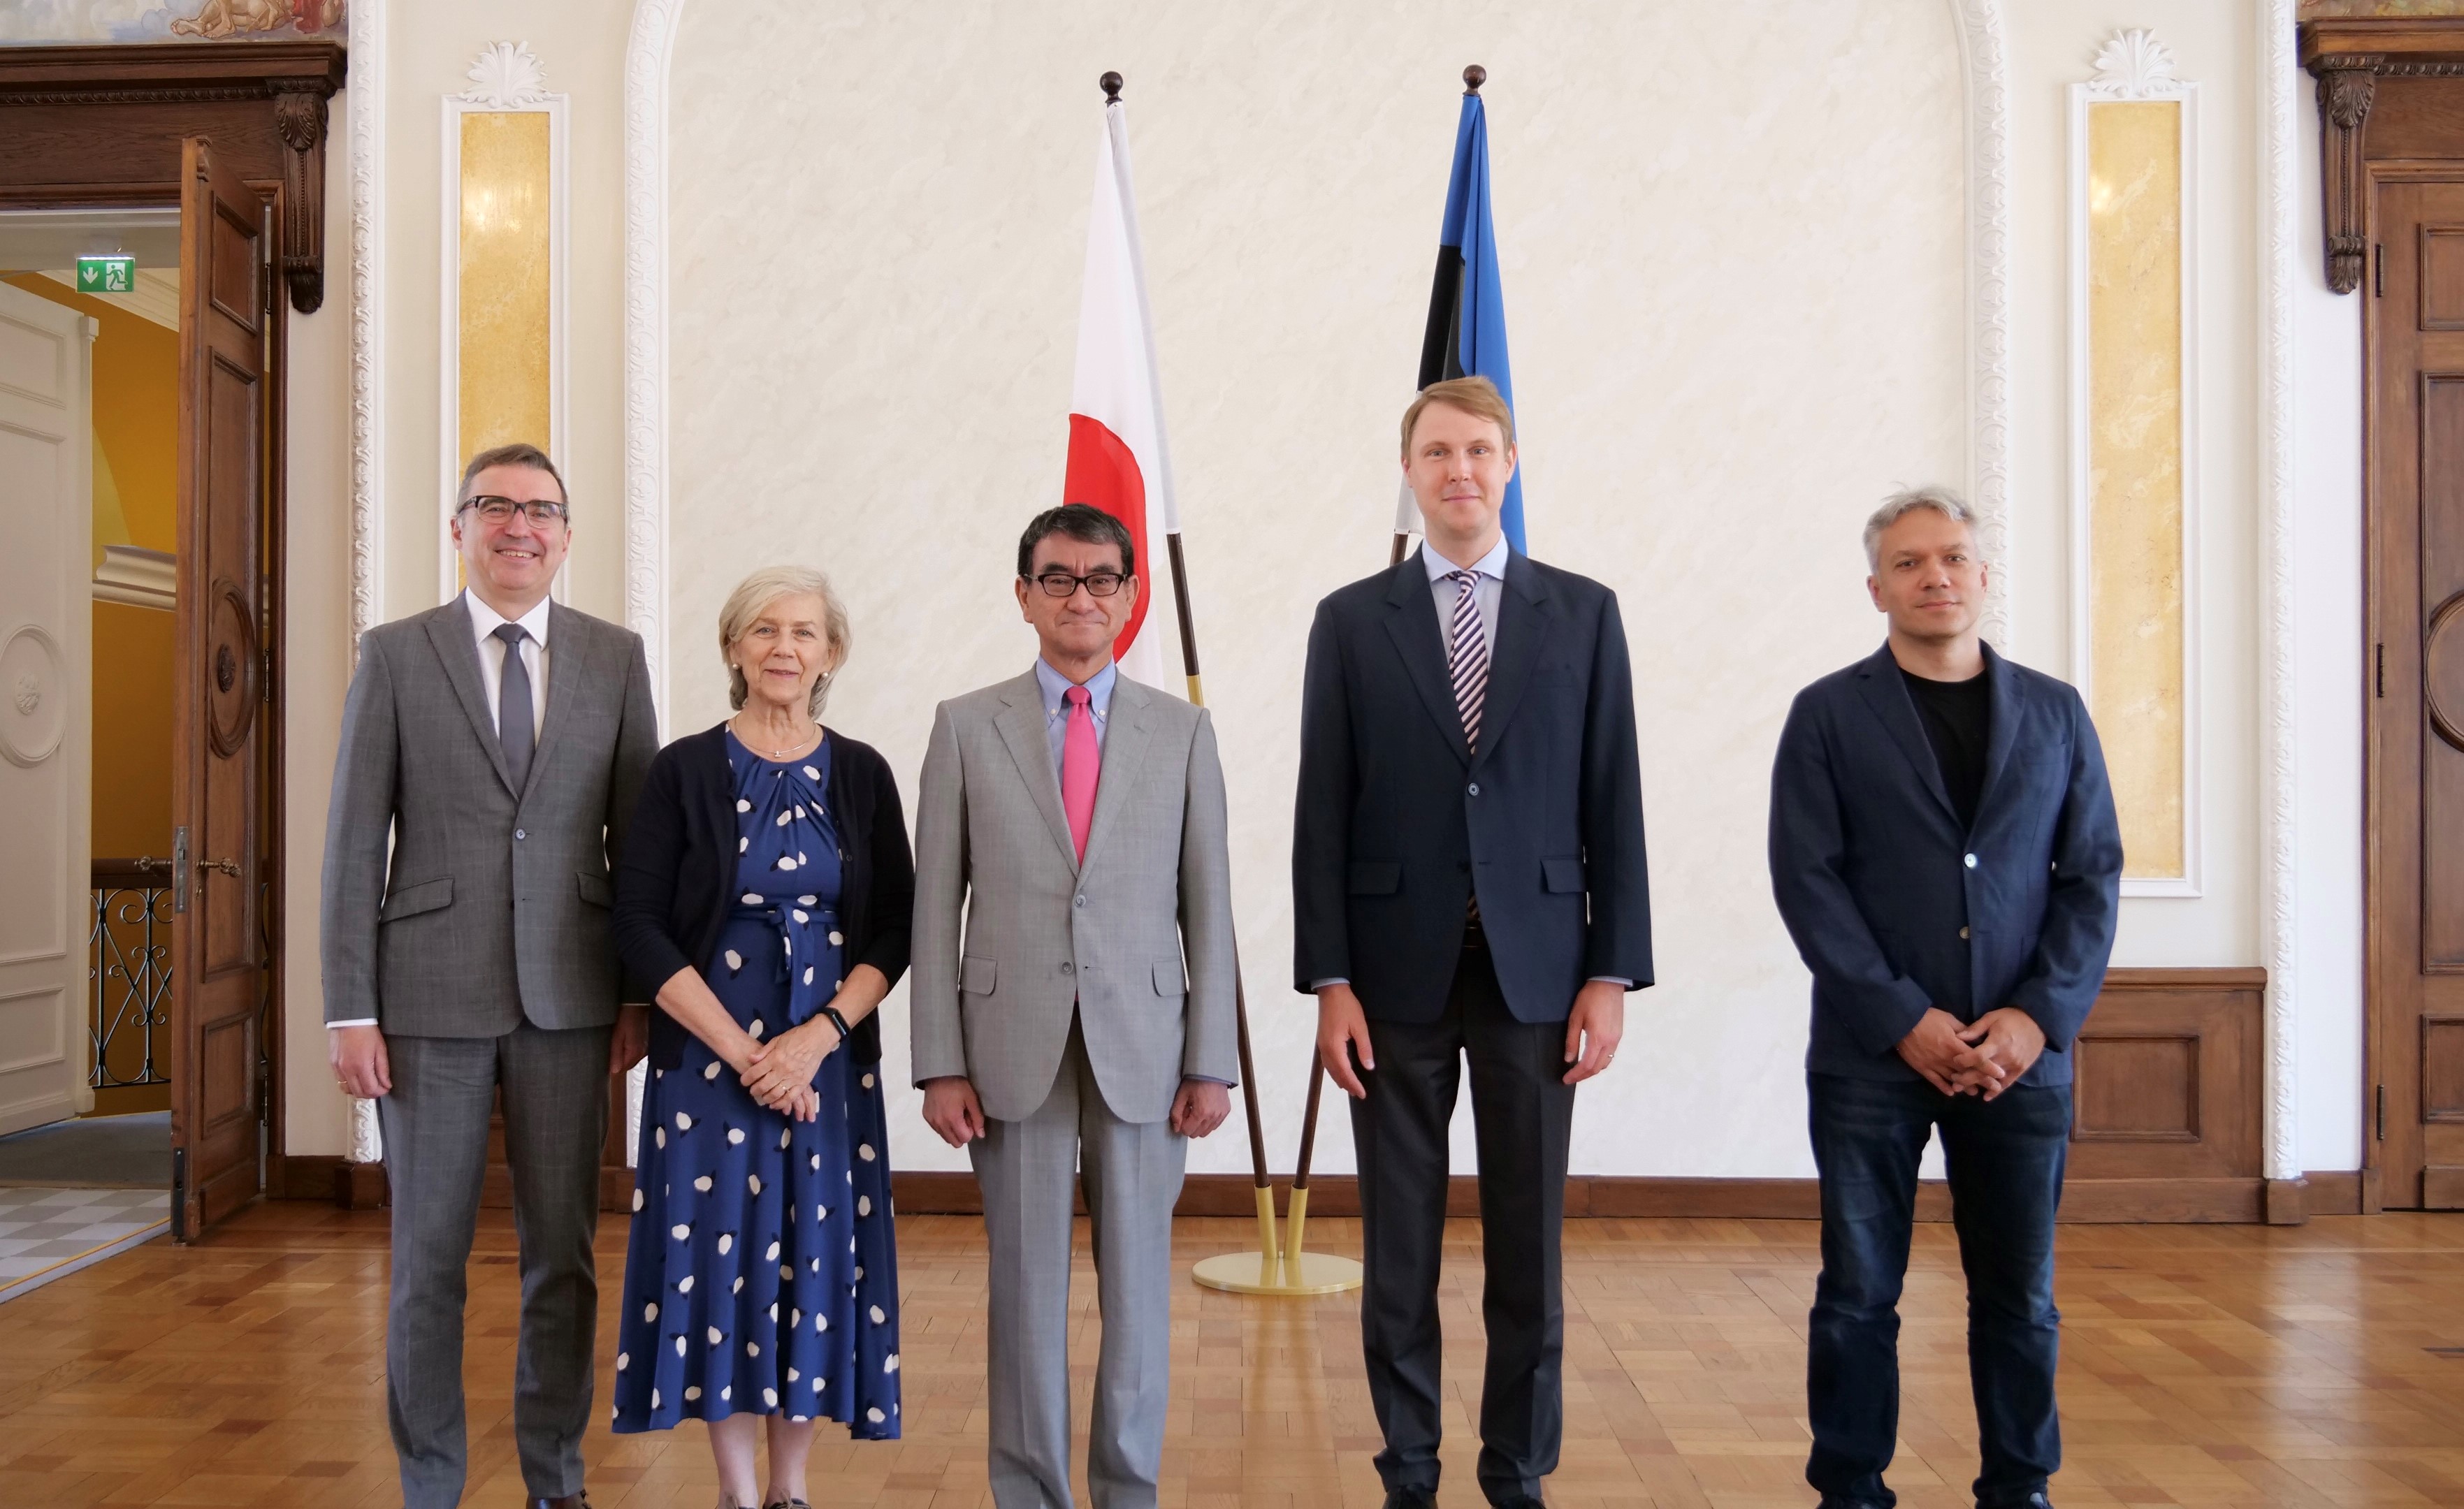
column 1468, row 663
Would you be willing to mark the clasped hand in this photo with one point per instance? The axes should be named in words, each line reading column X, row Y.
column 1982, row 1057
column 779, row 1073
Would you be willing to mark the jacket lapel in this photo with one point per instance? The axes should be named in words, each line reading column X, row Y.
column 1125, row 750
column 567, row 651
column 1412, row 622
column 1879, row 680
column 1021, row 729
column 1524, row 620
column 448, row 629
column 2001, row 724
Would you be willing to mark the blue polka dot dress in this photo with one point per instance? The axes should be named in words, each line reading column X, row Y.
column 762, row 1273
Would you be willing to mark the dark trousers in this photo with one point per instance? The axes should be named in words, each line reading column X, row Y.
column 2005, row 1159
column 436, row 1123
column 1523, row 1112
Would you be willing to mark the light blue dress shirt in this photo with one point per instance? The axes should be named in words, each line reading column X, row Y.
column 1056, row 707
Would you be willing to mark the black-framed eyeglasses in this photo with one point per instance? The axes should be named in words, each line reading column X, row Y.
column 1062, row 584
column 501, row 510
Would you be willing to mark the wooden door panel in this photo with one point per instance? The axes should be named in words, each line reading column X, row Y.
column 46, row 536
column 219, row 983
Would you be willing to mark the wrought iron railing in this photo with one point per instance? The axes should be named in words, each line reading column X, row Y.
column 129, row 970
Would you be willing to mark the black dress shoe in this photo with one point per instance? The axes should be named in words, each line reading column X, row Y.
column 579, row 1500
column 1411, row 1499
column 2031, row 1501
column 1518, row 1501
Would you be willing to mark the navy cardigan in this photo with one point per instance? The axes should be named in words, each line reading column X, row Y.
column 676, row 882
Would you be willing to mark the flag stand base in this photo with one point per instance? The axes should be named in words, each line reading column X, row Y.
column 1292, row 1271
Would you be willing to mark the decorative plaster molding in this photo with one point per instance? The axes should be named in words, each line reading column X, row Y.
column 138, row 579
column 646, row 60
column 2280, row 881
column 364, row 1142
column 2133, row 65
column 507, row 75
column 1985, row 49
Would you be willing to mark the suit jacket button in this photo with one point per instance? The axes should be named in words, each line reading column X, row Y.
column 519, row 834
column 1079, row 902
column 1474, row 788
column 1963, row 932
column 1066, row 967
column 1972, row 861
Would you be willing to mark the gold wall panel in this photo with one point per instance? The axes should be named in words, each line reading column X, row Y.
column 505, row 297
column 2135, row 473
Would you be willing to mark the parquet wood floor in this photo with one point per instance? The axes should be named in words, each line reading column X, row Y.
column 2208, row 1365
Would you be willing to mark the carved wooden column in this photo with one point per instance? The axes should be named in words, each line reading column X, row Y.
column 2347, row 85
column 299, row 115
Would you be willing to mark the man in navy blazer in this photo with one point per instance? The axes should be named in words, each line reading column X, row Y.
column 1943, row 850
column 1468, row 883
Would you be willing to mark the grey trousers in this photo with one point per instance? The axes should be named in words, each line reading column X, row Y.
column 435, row 1125
column 1133, row 1175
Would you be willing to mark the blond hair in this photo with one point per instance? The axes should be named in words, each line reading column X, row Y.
column 758, row 592
column 1476, row 396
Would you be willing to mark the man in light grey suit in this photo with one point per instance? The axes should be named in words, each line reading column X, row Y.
column 1086, row 1024
column 491, row 752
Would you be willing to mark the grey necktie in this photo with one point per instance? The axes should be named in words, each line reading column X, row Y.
column 513, row 732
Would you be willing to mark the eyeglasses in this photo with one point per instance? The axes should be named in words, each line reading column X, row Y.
column 500, row 511
column 1062, row 584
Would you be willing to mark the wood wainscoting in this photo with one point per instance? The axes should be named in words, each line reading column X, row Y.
column 2165, row 1127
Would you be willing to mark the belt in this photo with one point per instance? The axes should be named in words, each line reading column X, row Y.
column 804, row 996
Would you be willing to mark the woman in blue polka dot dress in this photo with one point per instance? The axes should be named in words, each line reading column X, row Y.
column 765, row 887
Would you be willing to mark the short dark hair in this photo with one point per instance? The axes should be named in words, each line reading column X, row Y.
column 520, row 453
column 1083, row 522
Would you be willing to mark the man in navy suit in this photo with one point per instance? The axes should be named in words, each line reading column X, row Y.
column 1468, row 883
column 1944, row 849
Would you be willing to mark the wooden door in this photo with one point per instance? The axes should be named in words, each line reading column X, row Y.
column 46, row 562
column 2415, row 1122
column 218, row 980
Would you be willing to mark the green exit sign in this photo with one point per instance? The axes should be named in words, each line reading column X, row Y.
column 106, row 275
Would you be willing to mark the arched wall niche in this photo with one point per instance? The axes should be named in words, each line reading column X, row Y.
column 1754, row 265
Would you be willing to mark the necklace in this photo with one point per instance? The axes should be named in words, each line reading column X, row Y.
column 775, row 753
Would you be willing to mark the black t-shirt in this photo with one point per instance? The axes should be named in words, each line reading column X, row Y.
column 1956, row 715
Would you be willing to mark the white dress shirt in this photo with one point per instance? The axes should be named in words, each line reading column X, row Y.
column 484, row 622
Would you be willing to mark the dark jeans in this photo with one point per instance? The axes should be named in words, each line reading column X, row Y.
column 1523, row 1116
column 2005, row 1161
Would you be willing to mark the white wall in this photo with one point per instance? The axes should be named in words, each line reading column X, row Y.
column 2333, row 668
column 1733, row 240
column 1736, row 296
column 316, row 649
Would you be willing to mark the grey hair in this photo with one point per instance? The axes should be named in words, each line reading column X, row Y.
column 758, row 591
column 1906, row 501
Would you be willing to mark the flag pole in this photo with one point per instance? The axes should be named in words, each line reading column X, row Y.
column 1274, row 1268
column 1433, row 357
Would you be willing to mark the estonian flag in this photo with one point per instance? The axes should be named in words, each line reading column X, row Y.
column 1466, row 334
column 1118, row 458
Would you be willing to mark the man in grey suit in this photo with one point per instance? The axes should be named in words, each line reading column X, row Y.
column 492, row 751
column 1087, row 1024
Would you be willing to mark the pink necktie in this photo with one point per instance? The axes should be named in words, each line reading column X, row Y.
column 1082, row 761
